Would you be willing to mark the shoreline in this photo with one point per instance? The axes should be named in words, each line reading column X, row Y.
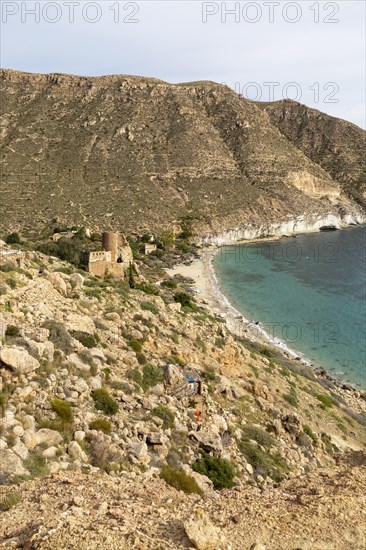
column 208, row 294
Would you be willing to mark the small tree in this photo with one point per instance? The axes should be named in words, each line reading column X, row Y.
column 131, row 276
column 13, row 238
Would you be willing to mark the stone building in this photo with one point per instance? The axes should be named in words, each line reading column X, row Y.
column 150, row 247
column 113, row 259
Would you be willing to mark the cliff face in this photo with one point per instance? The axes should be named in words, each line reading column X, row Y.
column 130, row 152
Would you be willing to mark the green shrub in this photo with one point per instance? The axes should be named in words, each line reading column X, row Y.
column 150, row 306
column 209, row 374
column 104, row 402
column 165, row 414
column 36, row 465
column 59, row 336
column 135, row 344
column 3, row 290
column 12, row 238
column 9, row 501
column 263, row 462
column 152, row 376
column 147, row 288
column 259, row 435
column 63, row 410
column 180, row 480
column 141, row 358
column 102, row 425
column 326, row 401
column 219, row 470
column 168, row 283
column 10, row 281
column 12, row 330
column 291, row 398
column 88, row 340
column 308, row 431
column 184, row 299
column 136, row 376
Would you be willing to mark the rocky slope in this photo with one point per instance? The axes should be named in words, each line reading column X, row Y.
column 336, row 145
column 290, row 436
column 129, row 152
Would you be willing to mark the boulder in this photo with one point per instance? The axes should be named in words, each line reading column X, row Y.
column 57, row 282
column 208, row 440
column 48, row 437
column 11, row 465
column 18, row 359
column 76, row 452
column 77, row 322
column 292, row 424
column 203, row 482
column 138, row 449
column 201, row 532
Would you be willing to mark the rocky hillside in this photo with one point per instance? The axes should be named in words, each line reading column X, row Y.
column 129, row 152
column 95, row 398
column 336, row 145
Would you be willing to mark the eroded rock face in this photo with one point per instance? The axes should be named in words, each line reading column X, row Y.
column 18, row 360
column 58, row 283
column 201, row 532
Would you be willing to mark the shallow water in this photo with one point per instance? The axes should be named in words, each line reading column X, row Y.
column 308, row 292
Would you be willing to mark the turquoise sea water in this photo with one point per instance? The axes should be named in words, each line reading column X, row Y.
column 308, row 292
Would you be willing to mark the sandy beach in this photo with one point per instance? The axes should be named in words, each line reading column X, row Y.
column 208, row 293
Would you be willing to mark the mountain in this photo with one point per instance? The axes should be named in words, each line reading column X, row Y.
column 133, row 153
column 336, row 145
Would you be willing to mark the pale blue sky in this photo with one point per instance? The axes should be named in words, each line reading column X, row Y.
column 169, row 40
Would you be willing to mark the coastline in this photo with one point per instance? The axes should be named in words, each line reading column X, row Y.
column 209, row 294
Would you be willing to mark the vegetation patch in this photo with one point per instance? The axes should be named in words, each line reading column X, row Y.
column 104, row 402
column 9, row 501
column 88, row 340
column 180, row 480
column 326, row 402
column 308, row 431
column 165, row 414
column 219, row 470
column 12, row 330
column 101, row 425
column 59, row 336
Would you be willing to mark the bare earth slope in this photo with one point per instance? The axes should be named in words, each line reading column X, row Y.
column 133, row 152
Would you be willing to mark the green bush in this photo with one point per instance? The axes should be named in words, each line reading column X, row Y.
column 291, row 398
column 10, row 281
column 308, row 431
column 165, row 414
column 259, row 435
column 150, row 306
column 63, row 410
column 184, row 299
column 141, row 358
column 263, row 462
column 12, row 238
column 219, row 470
column 104, row 402
column 36, row 465
column 101, row 425
column 152, row 376
column 9, row 501
column 168, row 283
column 135, row 344
column 3, row 290
column 147, row 288
column 12, row 330
column 209, row 374
column 88, row 340
column 180, row 480
column 326, row 401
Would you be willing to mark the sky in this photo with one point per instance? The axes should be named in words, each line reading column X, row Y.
column 311, row 51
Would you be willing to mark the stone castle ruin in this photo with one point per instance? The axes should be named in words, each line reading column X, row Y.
column 113, row 259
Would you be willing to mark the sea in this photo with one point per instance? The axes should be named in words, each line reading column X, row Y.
column 305, row 294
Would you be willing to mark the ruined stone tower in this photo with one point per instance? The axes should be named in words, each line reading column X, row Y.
column 114, row 258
